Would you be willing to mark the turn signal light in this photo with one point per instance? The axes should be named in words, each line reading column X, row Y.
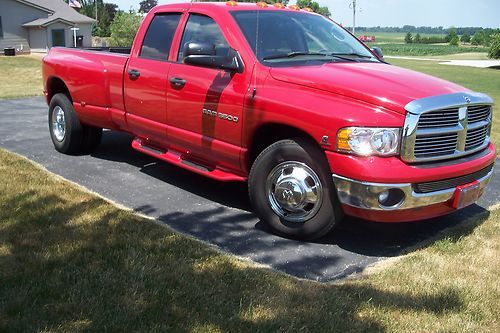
column 232, row 3
column 307, row 9
column 294, row 7
column 261, row 4
column 279, row 5
column 343, row 139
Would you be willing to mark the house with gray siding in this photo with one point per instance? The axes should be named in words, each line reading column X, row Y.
column 40, row 24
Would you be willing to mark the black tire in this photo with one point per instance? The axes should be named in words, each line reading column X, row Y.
column 71, row 143
column 91, row 138
column 323, row 218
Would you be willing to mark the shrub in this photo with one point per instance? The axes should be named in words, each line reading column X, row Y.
column 454, row 41
column 495, row 47
column 432, row 40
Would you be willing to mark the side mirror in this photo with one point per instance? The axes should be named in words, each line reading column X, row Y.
column 205, row 49
column 378, row 53
column 204, row 54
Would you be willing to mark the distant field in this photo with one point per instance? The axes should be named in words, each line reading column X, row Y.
column 425, row 49
column 393, row 43
column 392, row 37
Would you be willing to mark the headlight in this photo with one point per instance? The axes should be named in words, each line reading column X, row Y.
column 368, row 141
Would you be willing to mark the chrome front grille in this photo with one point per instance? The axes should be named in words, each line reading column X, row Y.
column 476, row 137
column 440, row 118
column 435, row 145
column 446, row 126
column 476, row 113
column 445, row 184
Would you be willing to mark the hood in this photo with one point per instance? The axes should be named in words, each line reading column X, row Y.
column 376, row 83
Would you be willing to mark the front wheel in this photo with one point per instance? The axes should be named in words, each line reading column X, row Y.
column 291, row 190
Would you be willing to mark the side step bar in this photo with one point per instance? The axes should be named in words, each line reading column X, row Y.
column 179, row 160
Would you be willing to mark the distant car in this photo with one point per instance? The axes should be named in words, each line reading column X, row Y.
column 317, row 123
column 368, row 39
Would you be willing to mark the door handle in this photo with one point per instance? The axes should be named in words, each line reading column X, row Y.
column 177, row 82
column 133, row 74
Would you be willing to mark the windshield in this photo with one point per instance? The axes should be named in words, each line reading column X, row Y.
column 284, row 37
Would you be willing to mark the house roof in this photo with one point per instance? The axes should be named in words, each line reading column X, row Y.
column 58, row 10
column 43, row 22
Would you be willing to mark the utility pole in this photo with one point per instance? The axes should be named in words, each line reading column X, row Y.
column 353, row 6
column 96, row 11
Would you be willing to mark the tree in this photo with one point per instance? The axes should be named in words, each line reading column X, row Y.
column 465, row 38
column 452, row 33
column 146, row 5
column 408, row 38
column 314, row 6
column 494, row 52
column 124, row 28
column 478, row 38
column 454, row 41
column 417, row 39
column 323, row 10
column 105, row 14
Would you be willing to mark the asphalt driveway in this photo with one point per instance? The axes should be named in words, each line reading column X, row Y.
column 218, row 213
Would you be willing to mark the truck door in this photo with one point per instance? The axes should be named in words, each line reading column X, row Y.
column 146, row 80
column 205, row 105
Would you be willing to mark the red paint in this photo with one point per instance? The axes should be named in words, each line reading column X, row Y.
column 317, row 100
column 393, row 170
column 407, row 215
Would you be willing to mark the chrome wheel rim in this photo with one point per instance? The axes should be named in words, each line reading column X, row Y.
column 58, row 123
column 294, row 191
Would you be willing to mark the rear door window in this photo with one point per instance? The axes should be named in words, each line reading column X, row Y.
column 159, row 36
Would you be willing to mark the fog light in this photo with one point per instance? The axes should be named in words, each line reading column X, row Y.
column 382, row 197
column 391, row 198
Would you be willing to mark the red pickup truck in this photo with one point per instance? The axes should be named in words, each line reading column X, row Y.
column 317, row 123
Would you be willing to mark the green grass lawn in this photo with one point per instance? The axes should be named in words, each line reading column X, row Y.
column 21, row 76
column 72, row 262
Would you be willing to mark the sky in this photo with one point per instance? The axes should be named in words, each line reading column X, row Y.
column 446, row 13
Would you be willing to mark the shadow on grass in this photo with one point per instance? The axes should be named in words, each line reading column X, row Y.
column 74, row 265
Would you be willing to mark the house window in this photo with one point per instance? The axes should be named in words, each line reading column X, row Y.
column 58, row 37
column 1, row 29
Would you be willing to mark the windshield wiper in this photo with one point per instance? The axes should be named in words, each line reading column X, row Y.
column 294, row 54
column 359, row 55
column 297, row 54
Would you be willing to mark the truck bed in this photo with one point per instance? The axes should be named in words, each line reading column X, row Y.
column 94, row 78
column 121, row 50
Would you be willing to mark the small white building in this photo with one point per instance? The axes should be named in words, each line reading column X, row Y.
column 40, row 24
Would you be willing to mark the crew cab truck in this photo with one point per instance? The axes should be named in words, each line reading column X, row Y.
column 318, row 124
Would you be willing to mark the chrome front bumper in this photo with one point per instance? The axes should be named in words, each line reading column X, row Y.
column 365, row 195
